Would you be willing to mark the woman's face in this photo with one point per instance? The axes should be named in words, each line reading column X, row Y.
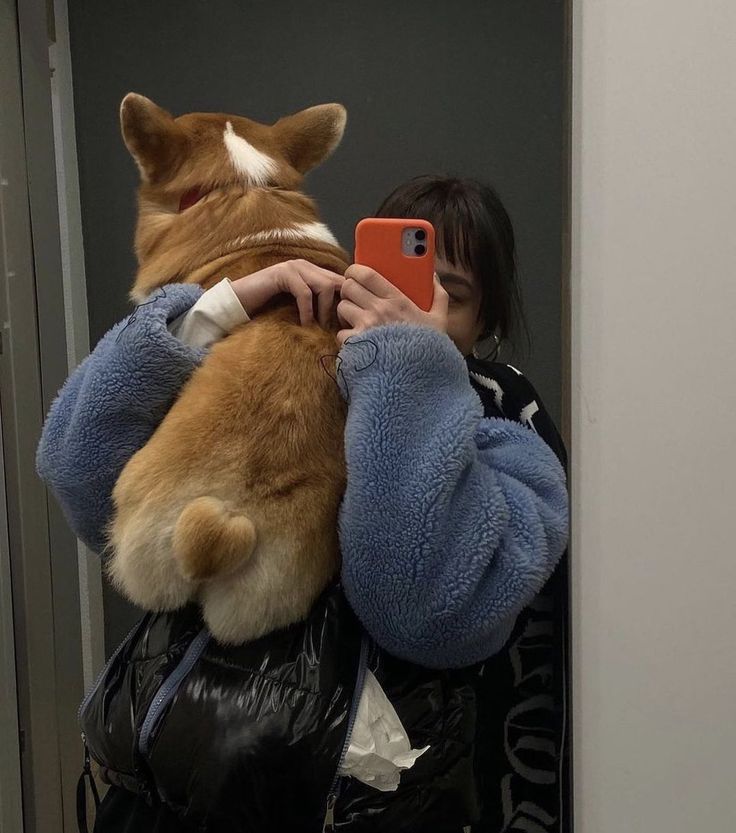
column 463, row 322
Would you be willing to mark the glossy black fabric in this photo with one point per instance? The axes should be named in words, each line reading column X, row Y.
column 438, row 709
column 254, row 736
column 123, row 811
column 252, row 739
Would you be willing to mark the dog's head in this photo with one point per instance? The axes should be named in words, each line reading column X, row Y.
column 212, row 150
column 196, row 169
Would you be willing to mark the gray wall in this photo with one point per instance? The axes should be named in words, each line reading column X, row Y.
column 474, row 88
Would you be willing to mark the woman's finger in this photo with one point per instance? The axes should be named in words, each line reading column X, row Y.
column 371, row 280
column 441, row 300
column 351, row 290
column 325, row 300
column 349, row 312
column 310, row 272
column 303, row 296
column 323, row 284
column 343, row 336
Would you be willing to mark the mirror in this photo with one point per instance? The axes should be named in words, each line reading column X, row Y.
column 473, row 89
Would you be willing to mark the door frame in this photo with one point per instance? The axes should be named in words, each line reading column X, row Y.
column 42, row 558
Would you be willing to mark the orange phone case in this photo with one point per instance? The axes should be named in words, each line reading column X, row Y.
column 378, row 245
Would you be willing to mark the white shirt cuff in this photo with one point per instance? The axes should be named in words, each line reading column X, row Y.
column 217, row 313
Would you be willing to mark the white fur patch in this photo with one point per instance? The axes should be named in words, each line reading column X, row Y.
column 256, row 166
column 317, row 231
column 301, row 231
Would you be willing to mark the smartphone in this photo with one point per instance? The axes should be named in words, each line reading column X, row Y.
column 401, row 250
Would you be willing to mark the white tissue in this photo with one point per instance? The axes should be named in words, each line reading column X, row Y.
column 379, row 747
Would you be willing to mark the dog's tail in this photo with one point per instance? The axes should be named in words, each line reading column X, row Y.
column 210, row 540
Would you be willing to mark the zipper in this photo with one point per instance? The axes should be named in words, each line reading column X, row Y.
column 106, row 667
column 329, row 821
column 86, row 778
column 168, row 689
column 328, row 826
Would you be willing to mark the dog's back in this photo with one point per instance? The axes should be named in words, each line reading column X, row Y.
column 234, row 500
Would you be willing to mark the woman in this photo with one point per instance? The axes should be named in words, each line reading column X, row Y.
column 455, row 515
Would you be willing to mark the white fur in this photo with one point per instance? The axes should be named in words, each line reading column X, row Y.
column 142, row 566
column 316, row 231
column 301, row 231
column 264, row 593
column 256, row 166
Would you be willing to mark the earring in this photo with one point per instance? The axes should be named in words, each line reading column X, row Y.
column 492, row 353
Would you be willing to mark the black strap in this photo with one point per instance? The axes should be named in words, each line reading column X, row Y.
column 82, row 793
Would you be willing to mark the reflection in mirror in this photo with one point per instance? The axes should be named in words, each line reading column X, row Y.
column 339, row 488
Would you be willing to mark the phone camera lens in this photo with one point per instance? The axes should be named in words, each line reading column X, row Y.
column 420, row 250
column 420, row 234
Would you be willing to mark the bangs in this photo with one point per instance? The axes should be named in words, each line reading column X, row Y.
column 473, row 231
column 449, row 212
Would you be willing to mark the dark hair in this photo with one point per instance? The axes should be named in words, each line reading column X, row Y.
column 473, row 230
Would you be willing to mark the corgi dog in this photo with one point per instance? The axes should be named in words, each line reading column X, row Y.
column 233, row 501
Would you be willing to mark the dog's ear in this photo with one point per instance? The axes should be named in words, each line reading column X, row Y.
column 309, row 137
column 154, row 139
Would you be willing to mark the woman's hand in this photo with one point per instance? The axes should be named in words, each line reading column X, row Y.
column 299, row 278
column 368, row 300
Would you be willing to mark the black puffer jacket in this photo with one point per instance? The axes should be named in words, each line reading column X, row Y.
column 219, row 735
column 193, row 736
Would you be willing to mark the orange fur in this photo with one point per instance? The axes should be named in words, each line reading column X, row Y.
column 233, row 501
column 210, row 539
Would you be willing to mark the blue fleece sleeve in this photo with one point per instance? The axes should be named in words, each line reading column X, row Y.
column 110, row 406
column 451, row 522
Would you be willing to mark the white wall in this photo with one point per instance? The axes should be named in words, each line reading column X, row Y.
column 654, row 415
